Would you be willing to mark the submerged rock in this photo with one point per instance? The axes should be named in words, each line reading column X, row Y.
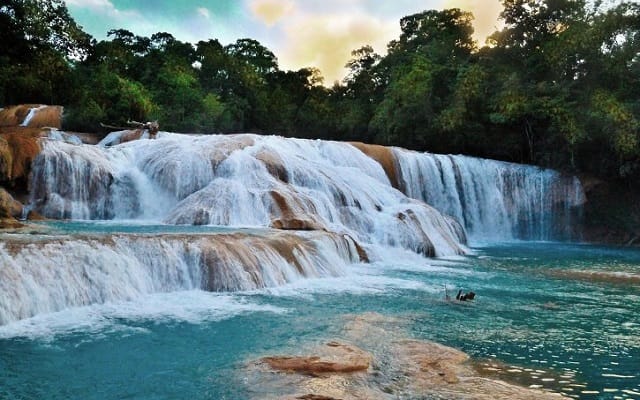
column 295, row 224
column 382, row 364
column 335, row 357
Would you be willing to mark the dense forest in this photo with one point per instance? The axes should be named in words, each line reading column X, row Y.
column 557, row 86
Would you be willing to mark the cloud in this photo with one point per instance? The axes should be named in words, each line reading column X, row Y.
column 102, row 7
column 91, row 4
column 271, row 11
column 203, row 12
column 486, row 14
column 302, row 33
column 326, row 41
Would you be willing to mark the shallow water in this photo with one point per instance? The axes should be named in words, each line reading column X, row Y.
column 563, row 317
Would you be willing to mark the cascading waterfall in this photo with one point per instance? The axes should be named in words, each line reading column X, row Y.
column 493, row 200
column 338, row 192
column 239, row 180
column 32, row 112
column 54, row 273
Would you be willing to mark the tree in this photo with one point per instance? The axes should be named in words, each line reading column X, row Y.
column 40, row 39
column 254, row 54
column 420, row 74
column 108, row 97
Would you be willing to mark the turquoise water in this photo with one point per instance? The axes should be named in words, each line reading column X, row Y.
column 564, row 317
column 135, row 227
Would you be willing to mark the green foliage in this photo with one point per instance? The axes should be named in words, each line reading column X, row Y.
column 617, row 122
column 39, row 40
column 558, row 86
column 406, row 114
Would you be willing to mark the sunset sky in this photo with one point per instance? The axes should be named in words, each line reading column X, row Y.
column 301, row 33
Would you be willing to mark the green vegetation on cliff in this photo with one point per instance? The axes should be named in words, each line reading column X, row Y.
column 557, row 86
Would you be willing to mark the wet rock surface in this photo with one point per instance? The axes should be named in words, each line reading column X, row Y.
column 375, row 360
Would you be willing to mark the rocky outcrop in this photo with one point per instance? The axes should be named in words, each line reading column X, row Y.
column 381, row 363
column 384, row 156
column 612, row 212
column 18, row 148
column 32, row 116
column 20, row 132
column 10, row 210
column 148, row 130
column 9, row 207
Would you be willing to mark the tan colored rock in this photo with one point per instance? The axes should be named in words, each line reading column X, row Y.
column 6, row 160
column 295, row 224
column 596, row 276
column 44, row 116
column 35, row 216
column 9, row 207
column 274, row 165
column 18, row 147
column 288, row 213
column 384, row 156
column 10, row 223
column 14, row 115
column 334, row 358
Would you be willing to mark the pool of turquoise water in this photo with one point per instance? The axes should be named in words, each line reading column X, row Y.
column 561, row 316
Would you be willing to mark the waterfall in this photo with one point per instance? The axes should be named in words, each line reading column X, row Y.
column 239, row 180
column 493, row 200
column 53, row 273
column 32, row 112
column 346, row 196
column 250, row 180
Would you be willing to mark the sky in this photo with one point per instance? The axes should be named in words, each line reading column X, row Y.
column 301, row 33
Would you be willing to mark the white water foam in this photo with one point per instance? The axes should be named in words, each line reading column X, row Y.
column 185, row 306
column 243, row 180
column 495, row 201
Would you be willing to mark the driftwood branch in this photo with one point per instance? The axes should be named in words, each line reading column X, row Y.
column 152, row 126
column 113, row 127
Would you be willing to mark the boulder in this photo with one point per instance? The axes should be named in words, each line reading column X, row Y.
column 274, row 165
column 10, row 210
column 9, row 207
column 288, row 215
